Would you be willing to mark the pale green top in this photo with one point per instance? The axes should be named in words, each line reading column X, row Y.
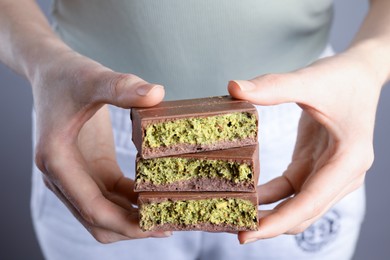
column 193, row 47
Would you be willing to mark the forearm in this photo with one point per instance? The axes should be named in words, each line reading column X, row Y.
column 372, row 42
column 26, row 39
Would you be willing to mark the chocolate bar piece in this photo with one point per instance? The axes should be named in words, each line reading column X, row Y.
column 193, row 125
column 207, row 211
column 235, row 169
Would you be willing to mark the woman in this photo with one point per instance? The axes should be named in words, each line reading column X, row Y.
column 193, row 48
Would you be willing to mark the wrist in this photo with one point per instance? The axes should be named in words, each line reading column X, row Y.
column 375, row 56
column 42, row 56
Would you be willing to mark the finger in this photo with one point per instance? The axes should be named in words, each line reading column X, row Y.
column 286, row 185
column 127, row 90
column 101, row 235
column 271, row 89
column 352, row 186
column 261, row 214
column 113, row 184
column 125, row 188
column 109, row 178
column 282, row 219
column 99, row 153
column 264, row 213
column 274, row 190
column 316, row 194
column 70, row 175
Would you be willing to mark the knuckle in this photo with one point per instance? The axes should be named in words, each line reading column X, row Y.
column 297, row 230
column 84, row 80
column 102, row 236
column 45, row 161
column 369, row 159
column 87, row 82
column 47, row 183
column 273, row 82
column 90, row 216
column 314, row 210
column 271, row 79
column 93, row 213
column 358, row 182
column 365, row 153
column 116, row 85
column 40, row 158
column 309, row 207
column 278, row 87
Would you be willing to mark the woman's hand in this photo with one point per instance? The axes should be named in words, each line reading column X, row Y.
column 75, row 147
column 334, row 147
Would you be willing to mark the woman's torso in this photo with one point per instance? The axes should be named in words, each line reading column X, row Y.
column 194, row 47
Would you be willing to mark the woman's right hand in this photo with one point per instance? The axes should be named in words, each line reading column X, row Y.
column 75, row 147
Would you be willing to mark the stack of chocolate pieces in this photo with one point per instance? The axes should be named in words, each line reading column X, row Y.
column 197, row 165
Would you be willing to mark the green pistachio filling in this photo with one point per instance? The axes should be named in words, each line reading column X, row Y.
column 234, row 211
column 201, row 130
column 160, row 171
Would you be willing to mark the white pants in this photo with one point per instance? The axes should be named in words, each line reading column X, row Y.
column 334, row 236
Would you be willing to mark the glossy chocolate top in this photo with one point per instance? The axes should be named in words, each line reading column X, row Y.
column 192, row 108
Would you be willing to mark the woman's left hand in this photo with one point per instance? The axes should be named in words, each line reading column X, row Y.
column 334, row 147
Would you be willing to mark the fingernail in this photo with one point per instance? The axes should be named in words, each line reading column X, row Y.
column 250, row 240
column 144, row 90
column 243, row 85
column 162, row 234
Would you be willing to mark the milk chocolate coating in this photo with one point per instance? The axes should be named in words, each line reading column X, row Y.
column 157, row 197
column 248, row 155
column 172, row 110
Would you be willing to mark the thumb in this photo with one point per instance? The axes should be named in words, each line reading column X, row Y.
column 270, row 89
column 127, row 90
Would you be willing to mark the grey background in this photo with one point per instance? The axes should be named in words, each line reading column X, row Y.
column 17, row 236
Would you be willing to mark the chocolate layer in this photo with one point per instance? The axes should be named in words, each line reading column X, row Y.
column 213, row 113
column 235, row 169
column 207, row 211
